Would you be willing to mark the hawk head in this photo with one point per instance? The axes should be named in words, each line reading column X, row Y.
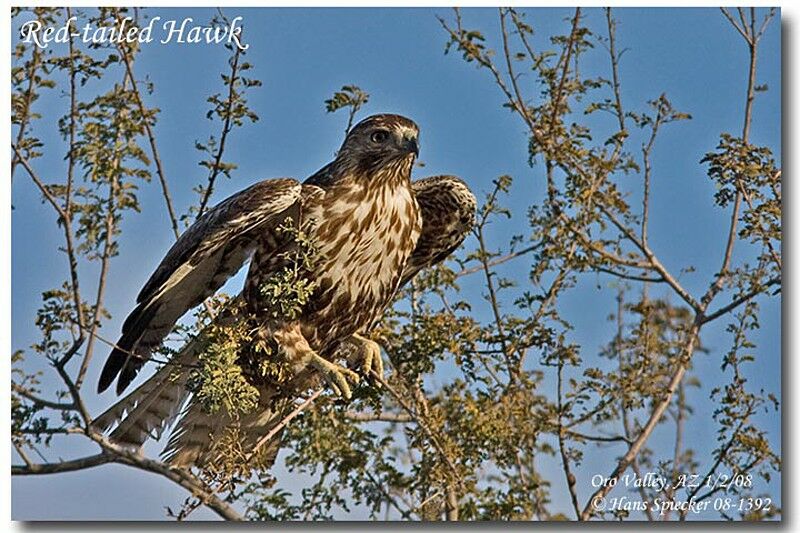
column 381, row 141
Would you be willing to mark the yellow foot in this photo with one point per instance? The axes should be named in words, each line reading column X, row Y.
column 335, row 375
column 369, row 355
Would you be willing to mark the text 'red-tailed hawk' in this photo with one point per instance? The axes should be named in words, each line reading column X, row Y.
column 371, row 231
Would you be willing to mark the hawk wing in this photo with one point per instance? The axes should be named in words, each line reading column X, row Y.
column 448, row 214
column 212, row 250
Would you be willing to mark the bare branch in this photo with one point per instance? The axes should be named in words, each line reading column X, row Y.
column 180, row 476
column 22, row 453
column 280, row 425
column 615, row 82
column 625, row 275
column 378, row 417
column 740, row 300
column 64, row 466
column 765, row 23
column 654, row 261
column 125, row 53
column 419, row 420
column 565, row 461
column 226, row 129
column 735, row 24
column 495, row 262
column 40, row 184
column 59, row 406
column 650, row 425
column 598, row 438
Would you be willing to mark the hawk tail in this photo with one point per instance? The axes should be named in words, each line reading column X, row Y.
column 194, row 440
column 150, row 408
column 153, row 406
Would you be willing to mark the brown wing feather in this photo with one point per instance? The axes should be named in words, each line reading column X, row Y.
column 448, row 214
column 212, row 250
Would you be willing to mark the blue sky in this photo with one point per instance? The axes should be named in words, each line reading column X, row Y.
column 303, row 56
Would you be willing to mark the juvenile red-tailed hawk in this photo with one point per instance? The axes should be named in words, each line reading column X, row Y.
column 372, row 230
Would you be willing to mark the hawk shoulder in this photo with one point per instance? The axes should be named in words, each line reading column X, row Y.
column 448, row 208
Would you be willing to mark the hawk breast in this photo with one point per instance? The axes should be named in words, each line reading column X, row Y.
column 363, row 237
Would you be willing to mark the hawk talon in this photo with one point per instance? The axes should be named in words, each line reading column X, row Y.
column 335, row 375
column 371, row 355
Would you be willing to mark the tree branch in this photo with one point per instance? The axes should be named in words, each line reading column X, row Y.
column 378, row 417
column 58, row 406
column 64, row 466
column 565, row 461
column 36, row 56
column 226, row 128
column 182, row 477
column 125, row 53
column 650, row 425
column 280, row 425
column 418, row 419
column 739, row 301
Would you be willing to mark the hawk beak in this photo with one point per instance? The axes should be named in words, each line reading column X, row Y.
column 411, row 145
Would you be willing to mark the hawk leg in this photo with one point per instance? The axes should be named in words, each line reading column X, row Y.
column 368, row 354
column 335, row 375
column 301, row 355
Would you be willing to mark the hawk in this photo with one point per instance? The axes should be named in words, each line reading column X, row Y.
column 372, row 230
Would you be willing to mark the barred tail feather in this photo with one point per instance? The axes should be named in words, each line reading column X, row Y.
column 154, row 405
column 192, row 441
column 147, row 412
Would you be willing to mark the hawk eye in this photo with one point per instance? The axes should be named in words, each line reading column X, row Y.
column 380, row 136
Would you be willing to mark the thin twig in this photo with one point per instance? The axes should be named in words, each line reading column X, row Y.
column 739, row 301
column 498, row 318
column 615, row 82
column 565, row 461
column 565, row 57
column 734, row 23
column 73, row 114
column 59, row 406
column 520, row 101
column 42, row 187
column 226, row 129
column 625, row 275
column 494, row 262
column 646, row 154
column 418, row 419
column 378, row 417
column 125, row 53
column 64, row 466
column 458, row 36
column 36, row 55
column 105, row 258
column 280, row 425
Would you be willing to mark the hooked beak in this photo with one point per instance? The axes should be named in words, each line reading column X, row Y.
column 411, row 145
